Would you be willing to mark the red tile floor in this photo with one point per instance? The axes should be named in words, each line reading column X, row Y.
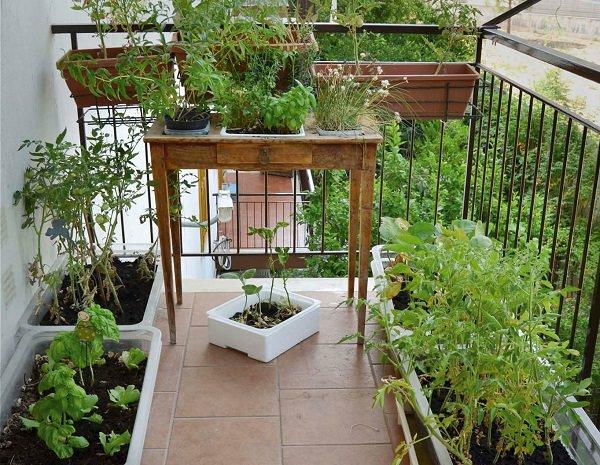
column 310, row 406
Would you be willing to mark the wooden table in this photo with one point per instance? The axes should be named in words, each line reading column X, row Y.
column 311, row 151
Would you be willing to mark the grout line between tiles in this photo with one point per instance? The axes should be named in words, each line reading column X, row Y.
column 208, row 417
column 343, row 444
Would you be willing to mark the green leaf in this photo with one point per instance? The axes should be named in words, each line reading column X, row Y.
column 132, row 358
column 113, row 442
column 122, row 397
column 251, row 289
column 28, row 423
column 103, row 321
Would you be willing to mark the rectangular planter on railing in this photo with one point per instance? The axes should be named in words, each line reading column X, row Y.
column 37, row 340
column 417, row 91
column 584, row 438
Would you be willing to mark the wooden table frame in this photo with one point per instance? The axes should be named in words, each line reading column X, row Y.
column 311, row 151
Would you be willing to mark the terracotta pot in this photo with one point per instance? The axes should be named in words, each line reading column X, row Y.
column 416, row 91
column 292, row 43
column 81, row 93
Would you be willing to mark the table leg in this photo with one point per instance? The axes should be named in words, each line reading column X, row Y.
column 175, row 224
column 353, row 221
column 366, row 209
column 161, row 189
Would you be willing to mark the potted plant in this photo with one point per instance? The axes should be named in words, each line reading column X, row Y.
column 102, row 76
column 419, row 90
column 235, row 33
column 79, row 395
column 74, row 196
column 264, row 323
column 476, row 357
column 345, row 105
column 250, row 108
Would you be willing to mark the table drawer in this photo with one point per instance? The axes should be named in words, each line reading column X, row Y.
column 250, row 154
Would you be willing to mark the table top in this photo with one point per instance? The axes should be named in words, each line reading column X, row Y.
column 155, row 135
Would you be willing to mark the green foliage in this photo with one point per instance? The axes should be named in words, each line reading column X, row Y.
column 113, row 442
column 287, row 112
column 122, row 397
column 480, row 333
column 58, row 437
column 132, row 358
column 75, row 195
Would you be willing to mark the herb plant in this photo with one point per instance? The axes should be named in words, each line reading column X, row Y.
column 132, row 358
column 113, row 442
column 480, row 337
column 122, row 397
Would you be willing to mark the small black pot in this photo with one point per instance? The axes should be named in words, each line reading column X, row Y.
column 199, row 122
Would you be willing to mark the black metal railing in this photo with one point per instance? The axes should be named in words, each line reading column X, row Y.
column 530, row 169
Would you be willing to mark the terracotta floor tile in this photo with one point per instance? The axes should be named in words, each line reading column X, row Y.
column 328, row 299
column 331, row 416
column 227, row 392
column 154, row 457
column 371, row 454
column 225, row 441
column 169, row 368
column 188, row 300
column 310, row 365
column 182, row 324
column 205, row 301
column 159, row 424
column 383, row 371
column 200, row 353
column 394, row 429
column 335, row 324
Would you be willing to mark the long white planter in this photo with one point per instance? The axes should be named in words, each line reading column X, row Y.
column 263, row 344
column 583, row 442
column 31, row 318
column 36, row 341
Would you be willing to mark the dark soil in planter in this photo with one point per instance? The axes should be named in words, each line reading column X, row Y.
column 192, row 120
column 259, row 131
column 19, row 446
column 268, row 313
column 481, row 454
column 133, row 295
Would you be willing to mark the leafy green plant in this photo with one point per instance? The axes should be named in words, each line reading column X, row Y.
column 113, row 442
column 122, row 397
column 75, row 195
column 84, row 347
column 244, row 276
column 132, row 358
column 480, row 336
column 53, row 415
column 287, row 112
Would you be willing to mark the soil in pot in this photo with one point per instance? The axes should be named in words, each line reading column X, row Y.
column 259, row 131
column 188, row 120
column 133, row 295
column 19, row 446
column 481, row 454
column 265, row 315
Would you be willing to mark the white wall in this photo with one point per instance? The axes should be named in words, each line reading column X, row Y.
column 35, row 105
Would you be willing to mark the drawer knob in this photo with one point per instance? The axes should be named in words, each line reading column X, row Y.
column 263, row 156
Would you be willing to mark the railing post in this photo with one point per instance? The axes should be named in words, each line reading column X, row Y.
column 472, row 129
column 592, row 329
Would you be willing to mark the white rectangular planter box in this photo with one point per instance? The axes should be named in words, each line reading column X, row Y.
column 584, row 438
column 262, row 344
column 31, row 319
column 224, row 132
column 36, row 341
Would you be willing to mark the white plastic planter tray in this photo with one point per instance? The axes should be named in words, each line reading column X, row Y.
column 36, row 341
column 584, row 437
column 224, row 132
column 31, row 319
column 263, row 344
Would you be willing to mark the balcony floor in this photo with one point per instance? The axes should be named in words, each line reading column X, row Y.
column 310, row 406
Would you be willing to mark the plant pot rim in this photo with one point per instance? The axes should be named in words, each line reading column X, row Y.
column 279, row 292
column 463, row 72
column 224, row 132
column 109, row 62
column 12, row 378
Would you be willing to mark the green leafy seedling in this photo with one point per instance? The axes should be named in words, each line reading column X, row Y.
column 132, row 358
column 122, row 397
column 113, row 442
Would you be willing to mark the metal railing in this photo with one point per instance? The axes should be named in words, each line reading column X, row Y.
column 531, row 170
